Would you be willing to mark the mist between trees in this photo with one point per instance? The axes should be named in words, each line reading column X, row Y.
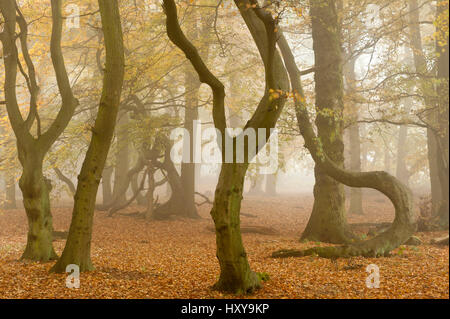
column 109, row 104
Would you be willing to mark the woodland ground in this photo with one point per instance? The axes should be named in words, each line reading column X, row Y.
column 135, row 258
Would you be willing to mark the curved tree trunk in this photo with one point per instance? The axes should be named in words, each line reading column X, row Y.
column 117, row 200
column 66, row 180
column 78, row 246
column 176, row 205
column 235, row 273
column 404, row 223
column 140, row 198
column 32, row 149
column 150, row 194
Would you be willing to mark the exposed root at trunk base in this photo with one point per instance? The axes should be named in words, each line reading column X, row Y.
column 61, row 265
column 376, row 247
column 404, row 224
column 440, row 241
column 250, row 285
column 42, row 257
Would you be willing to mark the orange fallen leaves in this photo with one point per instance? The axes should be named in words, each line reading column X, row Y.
column 176, row 259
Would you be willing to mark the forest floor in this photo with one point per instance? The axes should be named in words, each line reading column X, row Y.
column 135, row 258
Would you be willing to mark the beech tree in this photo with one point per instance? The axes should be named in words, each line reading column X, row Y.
column 78, row 246
column 33, row 142
column 327, row 222
column 404, row 223
column 235, row 273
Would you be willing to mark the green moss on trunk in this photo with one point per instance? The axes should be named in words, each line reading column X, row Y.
column 235, row 273
column 36, row 200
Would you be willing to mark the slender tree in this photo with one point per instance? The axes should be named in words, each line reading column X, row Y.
column 78, row 246
column 235, row 273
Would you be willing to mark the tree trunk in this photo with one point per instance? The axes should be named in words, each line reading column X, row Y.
column 176, row 205
column 387, row 159
column 36, row 200
column 235, row 273
column 437, row 117
column 32, row 149
column 442, row 48
column 404, row 223
column 436, row 192
column 150, row 194
column 140, row 198
column 65, row 180
column 78, row 246
column 402, row 172
column 327, row 222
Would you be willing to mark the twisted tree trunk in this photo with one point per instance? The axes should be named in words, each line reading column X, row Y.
column 404, row 223
column 32, row 149
column 236, row 275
